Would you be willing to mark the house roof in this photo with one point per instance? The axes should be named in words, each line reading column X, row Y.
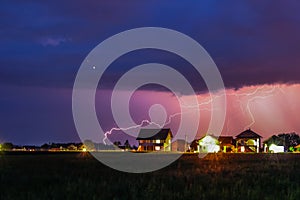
column 154, row 134
column 208, row 135
column 225, row 139
column 208, row 139
column 248, row 134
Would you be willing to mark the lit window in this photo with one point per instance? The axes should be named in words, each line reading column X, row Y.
column 242, row 149
column 157, row 141
column 157, row 148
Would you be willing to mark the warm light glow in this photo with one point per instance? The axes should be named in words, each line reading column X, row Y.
column 242, row 149
column 157, row 141
column 157, row 148
column 84, row 149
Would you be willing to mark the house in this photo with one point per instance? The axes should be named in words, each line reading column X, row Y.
column 211, row 144
column 248, row 141
column 194, row 146
column 180, row 146
column 274, row 144
column 208, row 144
column 273, row 148
column 227, row 144
column 155, row 139
column 71, row 147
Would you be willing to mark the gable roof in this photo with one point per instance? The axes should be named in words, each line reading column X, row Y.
column 208, row 135
column 248, row 134
column 154, row 134
column 208, row 139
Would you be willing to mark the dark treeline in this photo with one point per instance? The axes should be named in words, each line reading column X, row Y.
column 70, row 146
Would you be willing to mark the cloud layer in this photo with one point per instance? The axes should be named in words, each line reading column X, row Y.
column 252, row 42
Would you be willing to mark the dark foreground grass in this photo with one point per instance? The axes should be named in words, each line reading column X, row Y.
column 217, row 176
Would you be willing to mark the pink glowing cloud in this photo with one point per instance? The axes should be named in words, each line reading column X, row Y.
column 267, row 109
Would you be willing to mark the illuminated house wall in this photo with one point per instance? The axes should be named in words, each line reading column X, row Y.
column 154, row 140
column 208, row 144
column 273, row 148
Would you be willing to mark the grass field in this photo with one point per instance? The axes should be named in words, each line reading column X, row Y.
column 217, row 176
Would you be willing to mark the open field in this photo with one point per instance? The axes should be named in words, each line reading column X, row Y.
column 32, row 175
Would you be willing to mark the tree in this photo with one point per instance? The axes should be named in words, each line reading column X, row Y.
column 45, row 146
column 275, row 140
column 127, row 145
column 134, row 147
column 117, row 143
column 290, row 139
column 7, row 146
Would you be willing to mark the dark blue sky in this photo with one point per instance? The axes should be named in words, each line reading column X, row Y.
column 44, row 42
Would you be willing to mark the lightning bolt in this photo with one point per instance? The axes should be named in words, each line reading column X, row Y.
column 129, row 128
column 258, row 94
column 148, row 122
column 267, row 94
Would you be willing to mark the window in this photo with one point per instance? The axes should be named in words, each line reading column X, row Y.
column 242, row 149
column 157, row 141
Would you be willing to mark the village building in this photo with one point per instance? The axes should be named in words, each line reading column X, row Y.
column 248, row 141
column 180, row 146
column 227, row 144
column 213, row 144
column 155, row 139
column 274, row 144
column 273, row 148
column 208, row 144
column 194, row 146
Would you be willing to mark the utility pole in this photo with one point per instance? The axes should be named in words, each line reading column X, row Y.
column 185, row 143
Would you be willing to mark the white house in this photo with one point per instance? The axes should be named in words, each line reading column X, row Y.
column 208, row 144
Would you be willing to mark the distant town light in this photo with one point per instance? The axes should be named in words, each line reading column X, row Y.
column 84, row 149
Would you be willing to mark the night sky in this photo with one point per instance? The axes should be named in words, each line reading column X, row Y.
column 255, row 44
